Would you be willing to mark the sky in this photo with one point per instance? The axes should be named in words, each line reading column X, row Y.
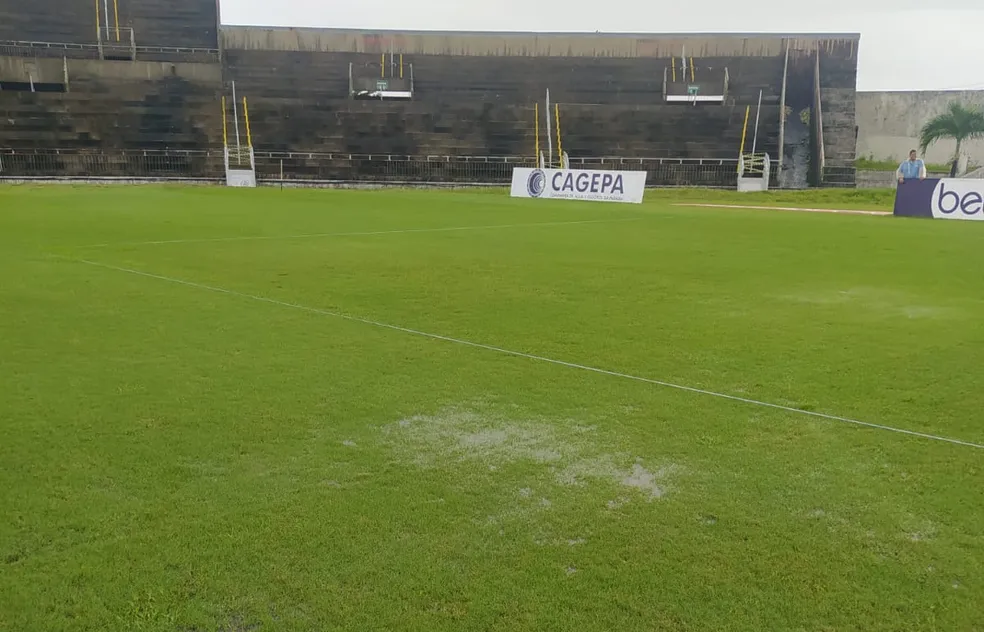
column 905, row 44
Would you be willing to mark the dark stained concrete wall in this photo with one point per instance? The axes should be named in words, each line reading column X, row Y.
column 838, row 96
column 112, row 105
column 664, row 131
column 300, row 101
column 171, row 113
column 803, row 163
column 171, row 23
column 373, row 127
column 67, row 21
column 49, row 70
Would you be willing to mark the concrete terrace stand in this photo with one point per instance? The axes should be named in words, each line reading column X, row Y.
column 360, row 95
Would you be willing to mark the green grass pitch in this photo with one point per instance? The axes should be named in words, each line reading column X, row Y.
column 309, row 410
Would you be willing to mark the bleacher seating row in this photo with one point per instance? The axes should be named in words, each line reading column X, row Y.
column 517, row 80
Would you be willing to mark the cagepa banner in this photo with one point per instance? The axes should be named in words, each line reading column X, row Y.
column 940, row 198
column 577, row 184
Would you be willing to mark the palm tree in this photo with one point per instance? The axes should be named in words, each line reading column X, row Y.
column 959, row 122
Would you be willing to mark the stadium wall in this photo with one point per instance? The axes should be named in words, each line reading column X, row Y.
column 474, row 93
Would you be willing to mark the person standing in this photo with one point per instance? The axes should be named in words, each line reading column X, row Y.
column 912, row 168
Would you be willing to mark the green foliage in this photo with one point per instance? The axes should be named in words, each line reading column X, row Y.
column 182, row 458
column 959, row 123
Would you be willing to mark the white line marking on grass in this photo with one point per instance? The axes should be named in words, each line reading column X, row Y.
column 529, row 356
column 790, row 208
column 360, row 234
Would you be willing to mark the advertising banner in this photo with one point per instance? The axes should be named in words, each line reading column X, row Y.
column 574, row 184
column 941, row 198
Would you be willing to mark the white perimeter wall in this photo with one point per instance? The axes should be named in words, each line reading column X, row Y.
column 889, row 124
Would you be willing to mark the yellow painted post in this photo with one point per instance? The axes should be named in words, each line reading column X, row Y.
column 692, row 70
column 249, row 135
column 97, row 20
column 116, row 11
column 401, row 65
column 536, row 115
column 225, row 125
column 673, row 66
column 560, row 146
column 744, row 131
column 382, row 66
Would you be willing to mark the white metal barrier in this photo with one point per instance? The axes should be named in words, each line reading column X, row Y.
column 754, row 171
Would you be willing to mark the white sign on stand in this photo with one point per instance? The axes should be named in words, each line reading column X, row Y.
column 754, row 172
column 240, row 178
column 241, row 168
column 627, row 187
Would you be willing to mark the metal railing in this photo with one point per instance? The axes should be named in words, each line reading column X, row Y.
column 753, row 165
column 117, row 43
column 240, row 157
column 107, row 164
column 325, row 168
column 671, row 172
column 176, row 53
column 18, row 48
column 385, row 169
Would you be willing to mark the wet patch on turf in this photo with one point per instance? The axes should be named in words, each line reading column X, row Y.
column 567, row 454
column 915, row 529
column 890, row 303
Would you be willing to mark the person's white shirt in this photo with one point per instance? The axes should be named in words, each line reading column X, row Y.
column 911, row 169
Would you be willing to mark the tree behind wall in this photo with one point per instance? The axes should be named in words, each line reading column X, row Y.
column 960, row 123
